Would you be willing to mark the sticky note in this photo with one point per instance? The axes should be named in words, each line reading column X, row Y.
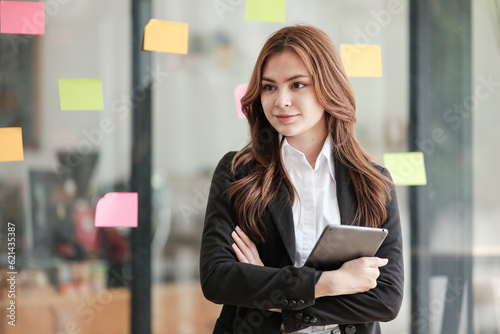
column 239, row 92
column 81, row 94
column 117, row 210
column 361, row 60
column 22, row 17
column 265, row 10
column 165, row 36
column 11, row 144
column 407, row 169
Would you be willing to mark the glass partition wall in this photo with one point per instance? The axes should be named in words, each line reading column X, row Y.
column 75, row 278
column 486, row 212
column 71, row 276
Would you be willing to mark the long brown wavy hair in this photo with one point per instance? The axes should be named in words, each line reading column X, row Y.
column 262, row 156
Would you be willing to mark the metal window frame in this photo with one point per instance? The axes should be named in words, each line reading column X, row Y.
column 440, row 82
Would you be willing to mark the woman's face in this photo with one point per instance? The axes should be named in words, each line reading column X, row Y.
column 289, row 99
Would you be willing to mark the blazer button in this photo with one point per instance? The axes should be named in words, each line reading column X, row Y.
column 298, row 316
column 292, row 303
column 306, row 319
column 313, row 320
column 301, row 302
column 351, row 329
column 284, row 302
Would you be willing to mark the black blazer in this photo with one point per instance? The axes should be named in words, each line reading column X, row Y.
column 248, row 291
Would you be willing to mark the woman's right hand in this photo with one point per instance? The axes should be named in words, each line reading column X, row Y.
column 355, row 276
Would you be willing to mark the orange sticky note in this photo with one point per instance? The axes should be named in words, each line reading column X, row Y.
column 117, row 210
column 166, row 36
column 11, row 144
column 361, row 60
column 22, row 17
column 239, row 92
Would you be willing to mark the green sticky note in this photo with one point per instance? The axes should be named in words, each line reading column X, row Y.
column 407, row 169
column 265, row 10
column 81, row 94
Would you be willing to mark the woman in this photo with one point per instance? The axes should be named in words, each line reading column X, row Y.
column 269, row 202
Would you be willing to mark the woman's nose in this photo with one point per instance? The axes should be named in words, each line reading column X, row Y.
column 283, row 99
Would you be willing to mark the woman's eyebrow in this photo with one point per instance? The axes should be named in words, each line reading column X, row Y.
column 289, row 79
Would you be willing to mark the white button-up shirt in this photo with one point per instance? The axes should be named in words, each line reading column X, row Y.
column 316, row 204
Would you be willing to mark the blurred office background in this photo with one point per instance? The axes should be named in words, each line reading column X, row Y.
column 74, row 278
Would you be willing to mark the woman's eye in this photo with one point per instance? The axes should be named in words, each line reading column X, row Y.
column 298, row 85
column 267, row 87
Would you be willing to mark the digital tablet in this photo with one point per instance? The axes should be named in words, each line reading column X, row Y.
column 341, row 243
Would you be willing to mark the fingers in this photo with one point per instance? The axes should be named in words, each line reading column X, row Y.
column 362, row 273
column 244, row 248
column 374, row 262
column 240, row 245
column 239, row 254
column 379, row 262
column 249, row 243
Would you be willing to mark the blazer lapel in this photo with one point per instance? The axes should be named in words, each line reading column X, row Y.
column 345, row 193
column 281, row 210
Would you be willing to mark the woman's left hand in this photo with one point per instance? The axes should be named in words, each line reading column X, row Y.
column 245, row 249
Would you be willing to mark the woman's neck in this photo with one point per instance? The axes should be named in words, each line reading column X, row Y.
column 311, row 147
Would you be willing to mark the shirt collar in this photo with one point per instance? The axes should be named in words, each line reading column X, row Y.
column 326, row 152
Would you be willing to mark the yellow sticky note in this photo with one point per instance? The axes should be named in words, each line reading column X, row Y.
column 361, row 60
column 165, row 36
column 81, row 94
column 407, row 169
column 11, row 144
column 265, row 10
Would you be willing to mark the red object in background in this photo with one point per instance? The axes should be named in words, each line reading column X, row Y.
column 66, row 250
column 115, row 247
column 85, row 231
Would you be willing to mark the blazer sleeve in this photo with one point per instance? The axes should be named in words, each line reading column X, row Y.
column 224, row 280
column 379, row 304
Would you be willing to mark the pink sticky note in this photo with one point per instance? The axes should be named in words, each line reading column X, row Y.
column 239, row 92
column 117, row 209
column 22, row 17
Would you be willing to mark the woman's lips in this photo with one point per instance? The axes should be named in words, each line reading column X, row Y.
column 285, row 118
